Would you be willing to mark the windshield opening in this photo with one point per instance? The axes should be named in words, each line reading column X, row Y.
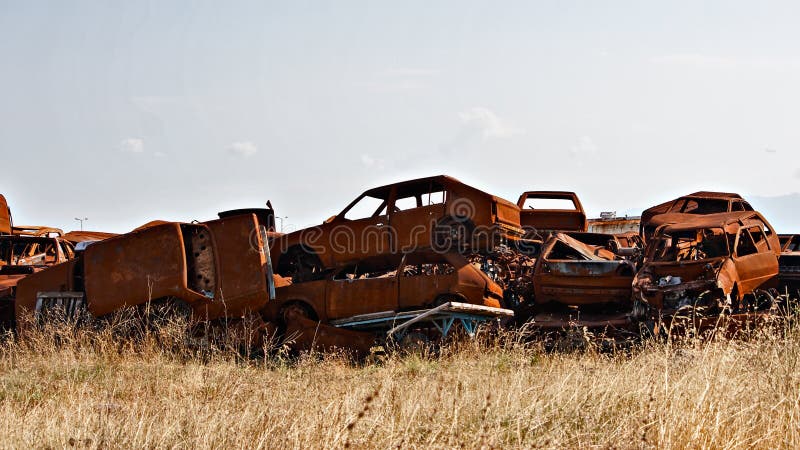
column 691, row 245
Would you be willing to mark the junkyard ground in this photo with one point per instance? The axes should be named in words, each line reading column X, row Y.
column 92, row 391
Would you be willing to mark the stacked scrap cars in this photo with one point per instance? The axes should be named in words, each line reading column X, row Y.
column 407, row 261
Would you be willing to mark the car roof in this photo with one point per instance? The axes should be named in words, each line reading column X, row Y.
column 711, row 194
column 718, row 220
column 408, row 185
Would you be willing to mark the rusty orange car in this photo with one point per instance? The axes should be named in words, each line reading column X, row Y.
column 710, row 264
column 21, row 256
column 216, row 269
column 392, row 282
column 437, row 212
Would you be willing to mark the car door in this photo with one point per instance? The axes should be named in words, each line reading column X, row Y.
column 755, row 260
column 413, row 216
column 359, row 232
column 353, row 291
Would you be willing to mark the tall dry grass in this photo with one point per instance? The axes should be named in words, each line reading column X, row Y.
column 61, row 388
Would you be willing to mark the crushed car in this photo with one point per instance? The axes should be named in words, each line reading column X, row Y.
column 212, row 270
column 548, row 211
column 436, row 212
column 707, row 266
column 583, row 279
column 376, row 291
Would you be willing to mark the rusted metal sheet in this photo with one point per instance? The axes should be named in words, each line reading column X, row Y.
column 59, row 278
column 436, row 212
column 616, row 225
column 86, row 236
column 684, row 208
column 241, row 266
column 708, row 263
column 5, row 216
column 547, row 219
column 144, row 265
column 304, row 334
column 36, row 230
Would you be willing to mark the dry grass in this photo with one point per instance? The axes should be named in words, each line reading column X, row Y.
column 93, row 390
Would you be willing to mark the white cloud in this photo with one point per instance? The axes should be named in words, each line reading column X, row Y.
column 372, row 163
column 244, row 149
column 487, row 124
column 770, row 150
column 412, row 72
column 584, row 147
column 132, row 145
column 722, row 62
column 159, row 154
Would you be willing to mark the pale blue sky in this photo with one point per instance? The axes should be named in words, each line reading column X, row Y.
column 125, row 112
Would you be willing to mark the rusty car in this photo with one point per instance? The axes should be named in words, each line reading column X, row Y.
column 391, row 282
column 21, row 256
column 377, row 291
column 212, row 270
column 583, row 279
column 683, row 208
column 547, row 211
column 435, row 212
column 707, row 266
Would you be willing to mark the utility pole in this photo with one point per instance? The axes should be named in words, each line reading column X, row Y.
column 281, row 219
column 81, row 221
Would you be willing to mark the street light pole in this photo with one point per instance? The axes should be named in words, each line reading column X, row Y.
column 281, row 219
column 81, row 221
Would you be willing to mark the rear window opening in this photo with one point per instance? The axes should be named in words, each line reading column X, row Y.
column 560, row 204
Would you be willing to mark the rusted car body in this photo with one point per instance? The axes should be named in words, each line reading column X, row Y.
column 684, row 208
column 21, row 256
column 76, row 237
column 565, row 213
column 392, row 282
column 707, row 265
column 583, row 279
column 5, row 216
column 218, row 269
column 436, row 212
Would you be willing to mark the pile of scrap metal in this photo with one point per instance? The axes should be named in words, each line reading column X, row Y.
column 404, row 262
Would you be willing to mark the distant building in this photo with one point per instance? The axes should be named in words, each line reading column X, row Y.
column 611, row 224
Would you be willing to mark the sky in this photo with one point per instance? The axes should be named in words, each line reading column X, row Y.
column 126, row 112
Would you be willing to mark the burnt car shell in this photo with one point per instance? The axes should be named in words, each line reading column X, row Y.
column 725, row 255
column 399, row 218
column 218, row 268
column 571, row 271
column 388, row 283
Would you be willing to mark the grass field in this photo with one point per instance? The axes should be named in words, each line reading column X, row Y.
column 92, row 390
